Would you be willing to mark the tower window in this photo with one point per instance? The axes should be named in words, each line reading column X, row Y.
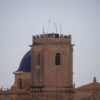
column 38, row 59
column 20, row 83
column 57, row 59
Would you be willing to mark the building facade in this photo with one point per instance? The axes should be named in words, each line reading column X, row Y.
column 46, row 73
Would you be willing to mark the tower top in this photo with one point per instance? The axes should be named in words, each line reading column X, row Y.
column 52, row 38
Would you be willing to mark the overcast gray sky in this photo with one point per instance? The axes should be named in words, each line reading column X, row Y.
column 20, row 19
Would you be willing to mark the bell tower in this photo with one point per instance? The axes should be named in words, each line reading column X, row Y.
column 52, row 61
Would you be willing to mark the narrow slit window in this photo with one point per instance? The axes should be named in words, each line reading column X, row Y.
column 20, row 83
column 38, row 59
column 57, row 59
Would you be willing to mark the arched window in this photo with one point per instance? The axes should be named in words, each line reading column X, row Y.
column 57, row 59
column 38, row 59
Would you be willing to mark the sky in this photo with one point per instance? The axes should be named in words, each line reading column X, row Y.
column 20, row 19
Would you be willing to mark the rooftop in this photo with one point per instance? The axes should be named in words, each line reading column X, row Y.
column 52, row 38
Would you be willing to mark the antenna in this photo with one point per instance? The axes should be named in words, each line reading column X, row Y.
column 43, row 30
column 55, row 26
column 49, row 25
column 60, row 27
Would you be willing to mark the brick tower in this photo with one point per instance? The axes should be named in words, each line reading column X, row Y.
column 52, row 62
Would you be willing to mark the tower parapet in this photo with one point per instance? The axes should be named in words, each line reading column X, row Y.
column 51, row 39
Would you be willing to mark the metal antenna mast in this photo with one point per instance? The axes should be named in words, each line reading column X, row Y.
column 55, row 26
column 60, row 27
column 43, row 30
column 49, row 25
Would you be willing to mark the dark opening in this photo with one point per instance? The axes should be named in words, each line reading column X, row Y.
column 20, row 83
column 38, row 59
column 57, row 59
